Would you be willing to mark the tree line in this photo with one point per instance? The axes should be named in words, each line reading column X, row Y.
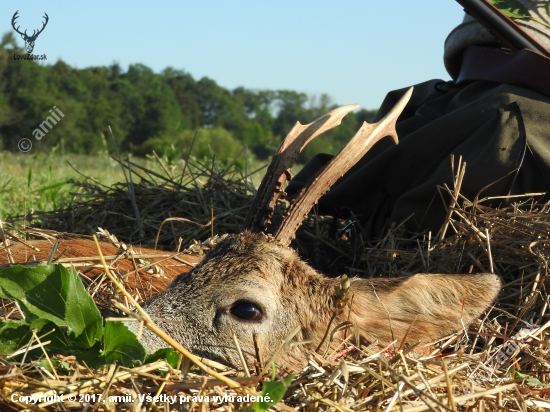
column 151, row 111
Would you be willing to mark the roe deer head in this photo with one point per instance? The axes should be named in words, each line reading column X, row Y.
column 254, row 283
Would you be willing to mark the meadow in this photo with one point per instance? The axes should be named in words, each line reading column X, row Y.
column 40, row 182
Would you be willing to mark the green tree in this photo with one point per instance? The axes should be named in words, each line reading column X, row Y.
column 203, row 145
column 184, row 88
column 154, row 107
column 151, row 110
column 291, row 108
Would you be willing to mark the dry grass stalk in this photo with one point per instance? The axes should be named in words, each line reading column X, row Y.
column 502, row 363
column 181, row 204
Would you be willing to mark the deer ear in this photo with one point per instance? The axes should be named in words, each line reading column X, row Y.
column 435, row 305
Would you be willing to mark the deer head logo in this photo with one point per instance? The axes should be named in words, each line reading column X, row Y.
column 29, row 40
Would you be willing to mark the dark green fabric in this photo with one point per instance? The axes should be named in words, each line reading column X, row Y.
column 501, row 131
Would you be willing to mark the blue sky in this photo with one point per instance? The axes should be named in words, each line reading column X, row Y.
column 355, row 51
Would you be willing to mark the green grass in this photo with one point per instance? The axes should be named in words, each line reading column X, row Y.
column 39, row 182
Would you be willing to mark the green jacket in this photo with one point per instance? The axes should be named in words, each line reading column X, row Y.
column 501, row 131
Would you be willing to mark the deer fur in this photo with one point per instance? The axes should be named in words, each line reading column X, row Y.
column 268, row 276
column 251, row 283
column 196, row 308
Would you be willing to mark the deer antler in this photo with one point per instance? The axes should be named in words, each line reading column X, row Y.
column 278, row 172
column 15, row 16
column 34, row 33
column 321, row 182
column 34, row 36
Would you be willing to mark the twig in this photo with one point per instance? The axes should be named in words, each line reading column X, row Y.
column 160, row 333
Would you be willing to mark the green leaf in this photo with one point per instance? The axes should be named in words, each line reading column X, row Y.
column 52, row 332
column 274, row 391
column 83, row 317
column 511, row 8
column 53, row 298
column 121, row 345
column 527, row 378
column 17, row 333
column 12, row 335
column 93, row 357
column 45, row 364
column 171, row 356
column 52, row 293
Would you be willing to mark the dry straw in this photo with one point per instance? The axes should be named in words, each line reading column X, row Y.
column 502, row 362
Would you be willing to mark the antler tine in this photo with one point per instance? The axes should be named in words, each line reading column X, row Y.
column 45, row 16
column 320, row 183
column 13, row 19
column 278, row 172
column 35, row 32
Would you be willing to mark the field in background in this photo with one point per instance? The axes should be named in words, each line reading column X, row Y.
column 39, row 181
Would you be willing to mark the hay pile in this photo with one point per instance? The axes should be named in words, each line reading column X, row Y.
column 500, row 363
column 153, row 208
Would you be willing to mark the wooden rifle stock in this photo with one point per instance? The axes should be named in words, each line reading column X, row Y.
column 500, row 26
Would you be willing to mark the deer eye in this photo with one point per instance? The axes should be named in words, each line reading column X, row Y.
column 246, row 311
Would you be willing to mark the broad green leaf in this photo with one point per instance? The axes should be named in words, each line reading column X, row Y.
column 83, row 317
column 12, row 335
column 171, row 356
column 121, row 345
column 17, row 333
column 53, row 297
column 511, row 8
column 39, row 291
column 93, row 357
column 52, row 332
column 274, row 390
column 52, row 293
